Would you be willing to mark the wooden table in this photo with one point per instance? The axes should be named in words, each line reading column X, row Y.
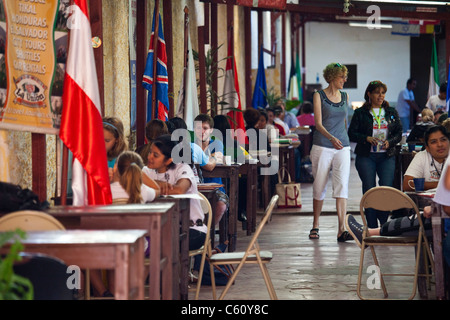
column 305, row 138
column 230, row 172
column 402, row 161
column 287, row 157
column 209, row 191
column 119, row 250
column 180, row 226
column 156, row 218
column 251, row 171
column 438, row 214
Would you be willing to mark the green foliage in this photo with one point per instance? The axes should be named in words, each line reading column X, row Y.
column 291, row 104
column 213, row 71
column 12, row 286
column 272, row 97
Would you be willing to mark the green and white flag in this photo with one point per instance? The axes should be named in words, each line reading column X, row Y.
column 433, row 87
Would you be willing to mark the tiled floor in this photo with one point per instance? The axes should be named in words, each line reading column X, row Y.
column 323, row 269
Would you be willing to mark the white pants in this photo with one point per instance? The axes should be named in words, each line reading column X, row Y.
column 338, row 161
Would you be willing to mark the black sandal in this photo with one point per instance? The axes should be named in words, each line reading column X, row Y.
column 314, row 233
column 345, row 236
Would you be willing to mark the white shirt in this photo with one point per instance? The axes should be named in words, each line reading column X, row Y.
column 118, row 192
column 435, row 104
column 282, row 123
column 422, row 166
column 182, row 171
column 442, row 193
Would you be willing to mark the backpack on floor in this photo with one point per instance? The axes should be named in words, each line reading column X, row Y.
column 221, row 272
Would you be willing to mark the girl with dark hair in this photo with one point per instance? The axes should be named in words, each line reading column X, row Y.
column 153, row 129
column 376, row 128
column 128, row 182
column 114, row 139
column 175, row 177
column 222, row 124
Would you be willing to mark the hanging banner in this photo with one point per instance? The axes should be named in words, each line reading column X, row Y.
column 26, row 77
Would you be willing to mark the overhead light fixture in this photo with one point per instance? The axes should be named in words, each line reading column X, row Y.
column 370, row 25
column 413, row 2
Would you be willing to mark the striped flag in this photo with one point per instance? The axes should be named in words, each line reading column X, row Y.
column 81, row 120
column 187, row 106
column 293, row 83
column 162, row 80
column 232, row 97
column 433, row 86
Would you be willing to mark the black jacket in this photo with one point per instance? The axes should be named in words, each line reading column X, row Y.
column 361, row 127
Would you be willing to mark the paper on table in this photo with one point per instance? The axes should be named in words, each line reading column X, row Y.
column 209, row 186
column 183, row 196
column 427, row 193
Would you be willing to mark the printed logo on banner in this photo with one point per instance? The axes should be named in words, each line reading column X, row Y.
column 30, row 91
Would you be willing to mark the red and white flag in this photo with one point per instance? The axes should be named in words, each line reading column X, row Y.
column 231, row 95
column 81, row 120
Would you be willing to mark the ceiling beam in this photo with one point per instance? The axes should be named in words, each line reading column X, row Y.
column 329, row 9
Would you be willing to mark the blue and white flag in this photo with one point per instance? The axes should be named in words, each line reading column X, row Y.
column 404, row 28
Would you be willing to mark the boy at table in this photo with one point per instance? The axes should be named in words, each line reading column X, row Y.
column 203, row 129
column 429, row 163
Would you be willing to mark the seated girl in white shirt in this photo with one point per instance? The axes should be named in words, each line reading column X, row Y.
column 128, row 181
column 176, row 178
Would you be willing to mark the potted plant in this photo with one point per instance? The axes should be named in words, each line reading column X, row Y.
column 212, row 70
column 272, row 97
column 13, row 286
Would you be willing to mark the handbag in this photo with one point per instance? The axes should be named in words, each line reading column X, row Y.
column 289, row 192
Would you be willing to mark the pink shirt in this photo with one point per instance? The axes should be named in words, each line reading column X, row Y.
column 306, row 119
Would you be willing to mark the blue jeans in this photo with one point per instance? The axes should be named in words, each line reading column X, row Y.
column 405, row 123
column 368, row 168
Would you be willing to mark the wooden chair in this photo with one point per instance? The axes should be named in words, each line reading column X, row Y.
column 206, row 248
column 388, row 199
column 29, row 220
column 252, row 255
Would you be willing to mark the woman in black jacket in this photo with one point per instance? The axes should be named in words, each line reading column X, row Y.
column 376, row 128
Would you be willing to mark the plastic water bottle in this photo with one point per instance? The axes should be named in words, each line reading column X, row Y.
column 317, row 77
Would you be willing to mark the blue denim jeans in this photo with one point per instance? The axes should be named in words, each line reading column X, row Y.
column 376, row 164
column 405, row 123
